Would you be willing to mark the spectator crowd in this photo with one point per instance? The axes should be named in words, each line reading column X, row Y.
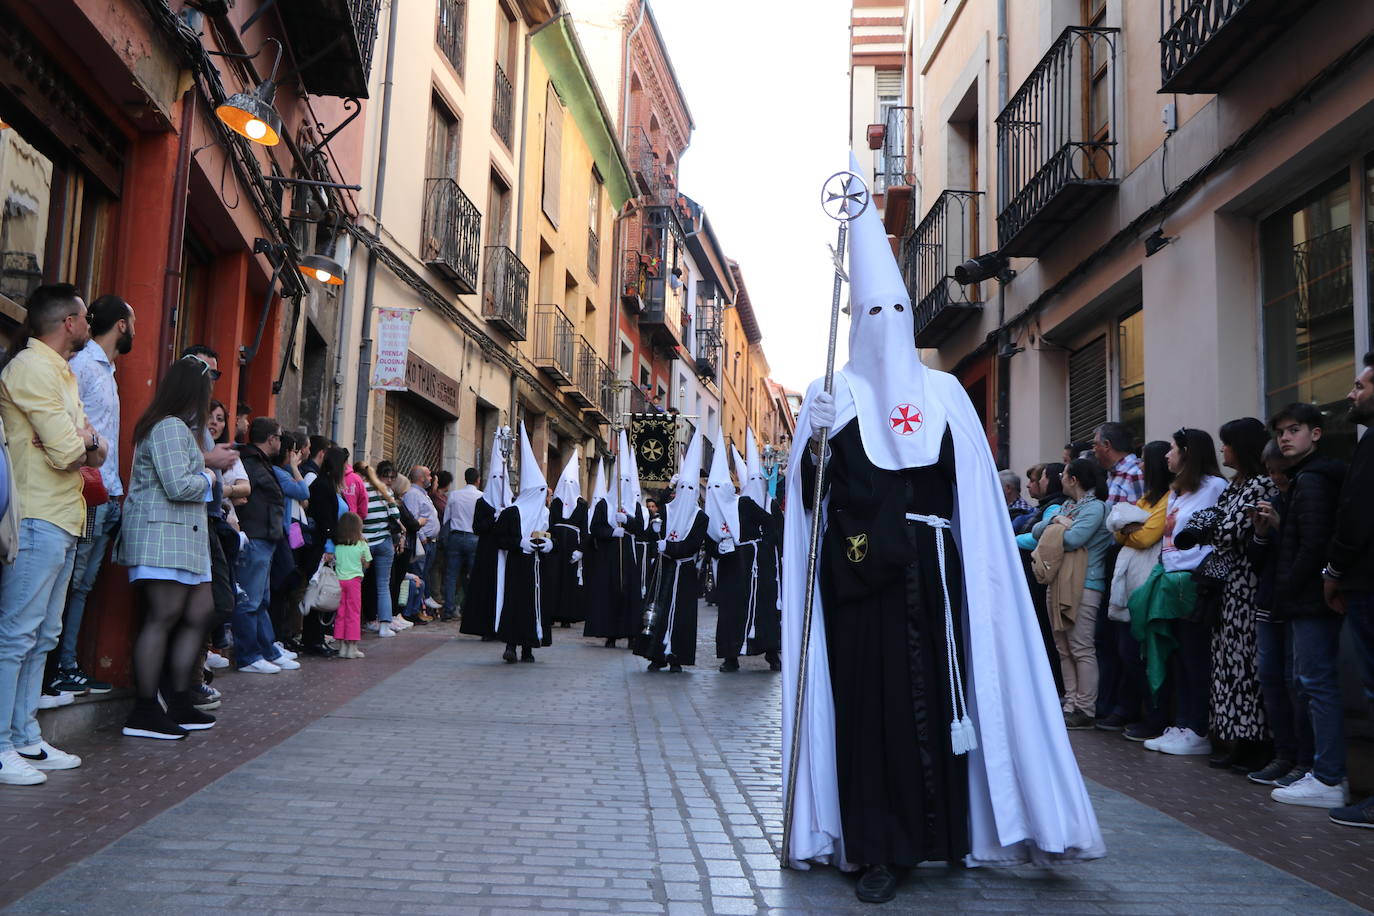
column 1200, row 611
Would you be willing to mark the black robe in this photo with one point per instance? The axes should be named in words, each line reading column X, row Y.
column 747, row 587
column 678, row 590
column 524, row 621
column 646, row 551
column 479, row 595
column 903, row 792
column 611, row 572
column 564, row 595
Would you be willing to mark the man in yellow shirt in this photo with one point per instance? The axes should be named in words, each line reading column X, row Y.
column 50, row 441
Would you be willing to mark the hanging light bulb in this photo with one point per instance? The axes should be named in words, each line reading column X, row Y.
column 250, row 114
column 327, row 263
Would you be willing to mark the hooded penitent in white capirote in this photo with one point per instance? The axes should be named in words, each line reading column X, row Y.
column 635, row 488
column 722, row 503
column 626, row 492
column 1027, row 801
column 741, row 467
column 532, row 501
column 598, row 488
column 498, row 492
column 682, row 509
column 568, row 490
column 754, row 484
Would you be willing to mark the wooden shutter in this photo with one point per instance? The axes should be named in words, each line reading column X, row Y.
column 1087, row 390
column 553, row 153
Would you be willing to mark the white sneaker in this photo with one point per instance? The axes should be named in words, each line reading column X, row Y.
column 48, row 701
column 285, row 651
column 286, row 664
column 261, row 666
column 432, row 604
column 16, row 771
column 214, row 661
column 43, row 756
column 385, row 630
column 372, row 626
column 1152, row 744
column 1311, row 792
column 1185, row 743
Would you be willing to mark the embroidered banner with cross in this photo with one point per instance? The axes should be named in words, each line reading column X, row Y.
column 653, row 436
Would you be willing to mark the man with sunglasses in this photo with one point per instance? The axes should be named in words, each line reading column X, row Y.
column 50, row 441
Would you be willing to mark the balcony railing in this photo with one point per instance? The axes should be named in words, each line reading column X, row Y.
column 896, row 167
column 334, row 39
column 647, row 166
column 587, row 377
column 451, row 31
column 605, row 403
column 944, row 239
column 503, row 107
column 1056, row 141
column 555, row 344
column 593, row 255
column 1204, row 43
column 451, row 241
column 505, row 291
column 708, row 353
column 634, row 281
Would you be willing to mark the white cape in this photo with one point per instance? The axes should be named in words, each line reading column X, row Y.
column 1027, row 801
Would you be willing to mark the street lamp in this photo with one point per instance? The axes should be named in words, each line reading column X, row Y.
column 329, row 262
column 250, row 114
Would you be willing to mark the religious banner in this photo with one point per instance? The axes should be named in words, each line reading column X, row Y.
column 393, row 349
column 653, row 436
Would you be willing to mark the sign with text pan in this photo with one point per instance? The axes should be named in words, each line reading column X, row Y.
column 393, row 347
column 653, row 436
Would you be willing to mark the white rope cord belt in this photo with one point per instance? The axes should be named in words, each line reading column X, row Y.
column 962, row 738
column 572, row 527
column 751, row 615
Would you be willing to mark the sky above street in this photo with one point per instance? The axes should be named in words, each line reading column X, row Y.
column 768, row 88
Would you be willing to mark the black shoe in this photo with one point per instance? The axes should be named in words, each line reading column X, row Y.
column 319, row 650
column 1140, row 732
column 417, row 620
column 186, row 715
column 730, row 664
column 509, row 655
column 774, row 663
column 527, row 654
column 1113, row 723
column 674, row 668
column 610, row 644
column 149, row 721
column 1078, row 720
column 1269, row 775
column 488, row 638
column 1357, row 815
column 656, row 666
column 1224, row 759
column 74, row 680
column 293, row 644
column 878, row 884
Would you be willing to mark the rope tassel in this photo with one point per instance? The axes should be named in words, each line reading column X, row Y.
column 962, row 735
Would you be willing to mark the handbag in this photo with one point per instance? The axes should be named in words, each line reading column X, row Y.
column 295, row 537
column 323, row 592
column 93, row 487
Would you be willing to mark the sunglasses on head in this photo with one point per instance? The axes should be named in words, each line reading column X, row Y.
column 205, row 368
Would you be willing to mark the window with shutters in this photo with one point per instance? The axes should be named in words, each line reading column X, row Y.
column 411, row 434
column 888, row 95
column 1087, row 390
column 443, row 141
column 553, row 153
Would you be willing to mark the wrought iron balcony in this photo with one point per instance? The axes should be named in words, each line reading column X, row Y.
column 896, row 167
column 334, row 39
column 1204, row 43
column 634, row 281
column 944, row 239
column 586, row 391
column 505, row 291
column 555, row 344
column 593, row 255
column 451, row 237
column 1056, row 142
column 708, row 326
column 605, row 406
column 648, row 168
column 451, row 31
column 503, row 107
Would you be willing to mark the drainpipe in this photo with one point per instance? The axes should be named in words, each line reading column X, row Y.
column 1003, row 344
column 520, row 173
column 176, row 236
column 365, row 353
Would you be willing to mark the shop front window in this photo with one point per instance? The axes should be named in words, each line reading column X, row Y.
column 1131, row 374
column 1309, row 308
column 26, row 182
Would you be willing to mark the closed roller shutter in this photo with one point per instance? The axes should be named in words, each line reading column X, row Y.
column 412, row 434
column 1087, row 390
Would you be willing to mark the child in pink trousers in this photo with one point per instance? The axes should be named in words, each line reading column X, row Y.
column 351, row 558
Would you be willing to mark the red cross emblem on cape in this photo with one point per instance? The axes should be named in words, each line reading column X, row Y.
column 905, row 419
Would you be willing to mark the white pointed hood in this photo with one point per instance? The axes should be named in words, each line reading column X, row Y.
column 532, row 500
column 682, row 510
column 599, row 487
column 635, row 491
column 498, row 492
column 886, row 385
column 740, row 466
column 568, row 490
column 722, row 504
column 754, row 483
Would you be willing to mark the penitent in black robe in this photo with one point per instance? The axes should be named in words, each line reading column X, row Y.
column 614, row 604
column 524, row 620
column 903, row 792
column 646, row 551
column 564, row 592
column 479, row 596
column 749, row 621
column 679, row 587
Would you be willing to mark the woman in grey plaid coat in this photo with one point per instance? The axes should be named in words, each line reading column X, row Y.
column 165, row 544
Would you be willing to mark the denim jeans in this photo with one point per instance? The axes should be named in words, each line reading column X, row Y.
column 1287, row 712
column 1316, row 655
column 1133, row 699
column 1359, row 611
column 1192, row 674
column 1110, row 666
column 32, row 594
column 253, row 636
column 89, row 556
column 460, row 550
column 383, row 555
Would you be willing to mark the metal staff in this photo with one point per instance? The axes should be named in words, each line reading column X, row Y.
column 843, row 197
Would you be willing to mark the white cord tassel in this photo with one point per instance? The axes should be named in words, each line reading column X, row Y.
column 962, row 736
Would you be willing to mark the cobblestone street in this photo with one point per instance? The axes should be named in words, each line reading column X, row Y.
column 580, row 784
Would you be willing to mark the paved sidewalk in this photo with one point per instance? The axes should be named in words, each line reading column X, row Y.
column 580, row 784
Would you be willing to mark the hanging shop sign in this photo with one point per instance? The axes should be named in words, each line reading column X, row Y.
column 434, row 386
column 393, row 349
